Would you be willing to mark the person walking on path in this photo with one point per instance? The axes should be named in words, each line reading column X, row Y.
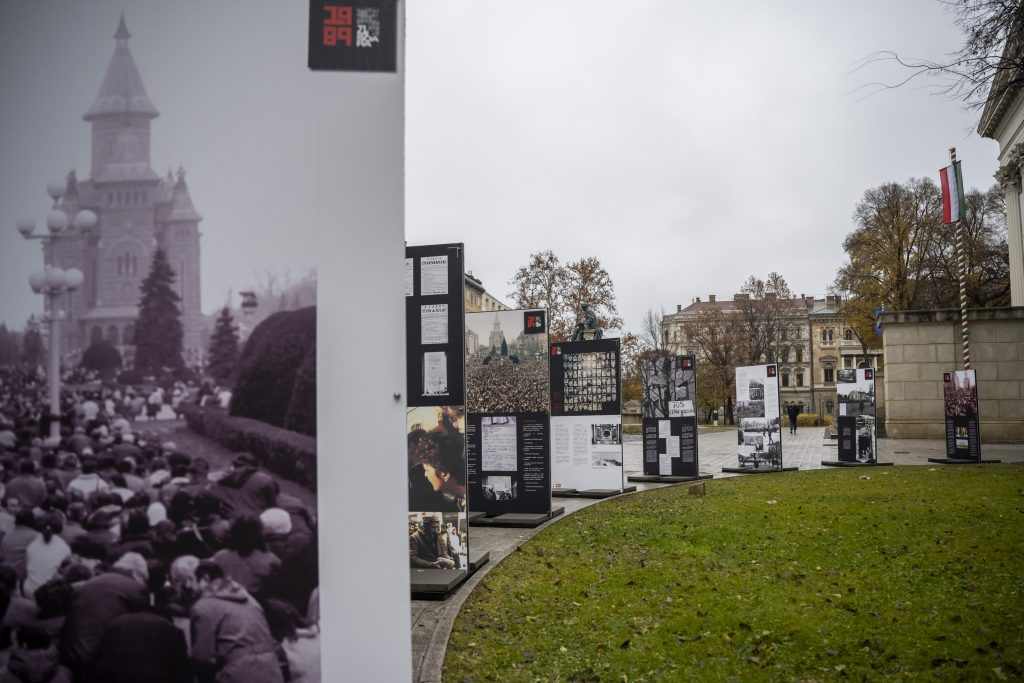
column 793, row 411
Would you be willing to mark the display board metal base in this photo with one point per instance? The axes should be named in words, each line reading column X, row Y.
column 523, row 520
column 764, row 470
column 474, row 516
column 643, row 477
column 478, row 559
column 604, row 493
column 682, row 480
column 437, row 584
column 963, row 461
column 563, row 493
column 846, row 463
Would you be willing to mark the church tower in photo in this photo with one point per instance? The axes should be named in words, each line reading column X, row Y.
column 139, row 212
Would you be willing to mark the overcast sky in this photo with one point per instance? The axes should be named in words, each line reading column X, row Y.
column 684, row 145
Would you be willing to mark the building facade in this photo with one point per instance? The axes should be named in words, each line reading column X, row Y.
column 479, row 299
column 816, row 343
column 139, row 212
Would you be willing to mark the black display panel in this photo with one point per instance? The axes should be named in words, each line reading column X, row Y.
column 359, row 35
column 855, row 395
column 434, row 320
column 963, row 429
column 585, row 378
column 669, row 395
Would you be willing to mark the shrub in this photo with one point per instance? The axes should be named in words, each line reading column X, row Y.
column 287, row 453
column 810, row 420
column 102, row 358
column 129, row 377
column 277, row 372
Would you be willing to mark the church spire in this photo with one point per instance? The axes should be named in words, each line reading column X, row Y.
column 182, row 209
column 122, row 30
column 122, row 91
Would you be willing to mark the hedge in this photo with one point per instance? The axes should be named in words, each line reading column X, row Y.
column 811, row 420
column 289, row 454
column 276, row 380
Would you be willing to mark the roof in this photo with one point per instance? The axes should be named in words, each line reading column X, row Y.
column 1002, row 93
column 122, row 91
column 181, row 209
column 111, row 313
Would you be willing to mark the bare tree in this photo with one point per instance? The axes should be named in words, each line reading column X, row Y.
column 988, row 65
column 650, row 329
column 546, row 283
column 715, row 336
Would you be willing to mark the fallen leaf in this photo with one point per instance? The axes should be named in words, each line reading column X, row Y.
column 563, row 649
column 772, row 501
column 865, row 477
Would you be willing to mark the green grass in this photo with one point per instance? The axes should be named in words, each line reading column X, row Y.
column 884, row 574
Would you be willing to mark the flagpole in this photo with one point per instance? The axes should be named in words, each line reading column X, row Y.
column 962, row 258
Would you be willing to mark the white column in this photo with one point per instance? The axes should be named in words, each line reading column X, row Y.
column 1010, row 178
column 362, row 476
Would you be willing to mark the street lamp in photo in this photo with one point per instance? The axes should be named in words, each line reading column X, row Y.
column 53, row 282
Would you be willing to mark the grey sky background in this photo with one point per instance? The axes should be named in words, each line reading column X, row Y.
column 685, row 145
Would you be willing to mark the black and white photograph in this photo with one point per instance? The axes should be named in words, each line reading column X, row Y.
column 591, row 380
column 759, row 442
column 655, row 387
column 437, row 458
column 506, row 366
column 866, row 444
column 499, row 487
column 605, row 435
column 960, row 394
column 755, row 390
column 746, row 409
column 856, row 398
column 181, row 314
column 664, row 381
column 438, row 541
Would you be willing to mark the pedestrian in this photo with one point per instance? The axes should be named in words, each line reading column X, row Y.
column 793, row 411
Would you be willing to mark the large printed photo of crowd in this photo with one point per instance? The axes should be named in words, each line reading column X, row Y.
column 506, row 367
column 128, row 556
column 960, row 393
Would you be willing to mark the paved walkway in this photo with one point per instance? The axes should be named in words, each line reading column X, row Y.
column 432, row 620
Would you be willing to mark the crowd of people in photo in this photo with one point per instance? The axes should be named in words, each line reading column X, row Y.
column 960, row 401
column 505, row 387
column 124, row 558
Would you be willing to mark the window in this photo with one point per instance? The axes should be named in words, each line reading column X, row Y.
column 847, row 362
column 848, row 334
column 799, row 379
column 829, row 375
column 799, row 355
column 829, row 407
column 826, row 335
column 785, row 379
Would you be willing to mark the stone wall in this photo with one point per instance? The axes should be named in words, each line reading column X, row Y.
column 920, row 345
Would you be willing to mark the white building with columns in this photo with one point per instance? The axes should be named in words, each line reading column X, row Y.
column 1003, row 121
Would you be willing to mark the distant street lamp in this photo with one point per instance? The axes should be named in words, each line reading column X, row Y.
column 52, row 282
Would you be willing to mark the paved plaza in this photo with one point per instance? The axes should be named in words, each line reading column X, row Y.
column 432, row 619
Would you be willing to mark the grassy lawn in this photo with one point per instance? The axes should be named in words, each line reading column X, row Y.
column 887, row 574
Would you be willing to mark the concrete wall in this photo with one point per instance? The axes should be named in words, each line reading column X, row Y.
column 920, row 345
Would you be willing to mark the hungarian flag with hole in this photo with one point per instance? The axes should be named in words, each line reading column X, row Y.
column 953, row 207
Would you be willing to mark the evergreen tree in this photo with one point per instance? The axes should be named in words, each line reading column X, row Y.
column 504, row 347
column 158, row 331
column 32, row 344
column 8, row 347
column 102, row 357
column 224, row 348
